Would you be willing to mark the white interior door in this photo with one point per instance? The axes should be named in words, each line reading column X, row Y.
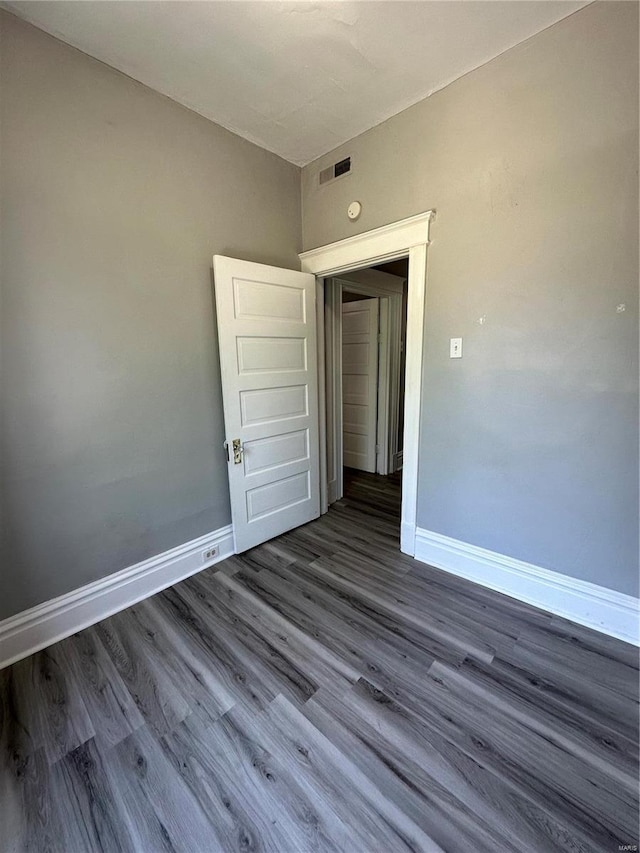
column 268, row 360
column 360, row 383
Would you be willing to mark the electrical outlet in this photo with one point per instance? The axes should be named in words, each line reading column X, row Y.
column 209, row 554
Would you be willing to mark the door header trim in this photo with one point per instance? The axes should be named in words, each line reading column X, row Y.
column 387, row 243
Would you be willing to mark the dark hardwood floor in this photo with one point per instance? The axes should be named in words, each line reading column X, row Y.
column 323, row 692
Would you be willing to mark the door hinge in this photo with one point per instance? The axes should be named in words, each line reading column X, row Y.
column 379, row 338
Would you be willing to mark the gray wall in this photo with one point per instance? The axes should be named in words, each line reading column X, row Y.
column 114, row 200
column 529, row 444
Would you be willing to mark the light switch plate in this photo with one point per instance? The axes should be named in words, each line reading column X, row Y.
column 455, row 348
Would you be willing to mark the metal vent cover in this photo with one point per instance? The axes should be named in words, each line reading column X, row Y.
column 342, row 167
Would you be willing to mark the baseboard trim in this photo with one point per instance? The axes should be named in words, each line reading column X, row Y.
column 45, row 624
column 597, row 607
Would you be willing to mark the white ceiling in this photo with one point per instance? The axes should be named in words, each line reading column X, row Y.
column 297, row 78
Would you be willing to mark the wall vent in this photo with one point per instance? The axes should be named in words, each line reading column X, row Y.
column 335, row 171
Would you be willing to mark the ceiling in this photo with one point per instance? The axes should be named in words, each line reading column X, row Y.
column 297, row 78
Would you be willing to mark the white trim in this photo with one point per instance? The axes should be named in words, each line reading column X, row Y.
column 373, row 281
column 597, row 607
column 45, row 624
column 416, row 306
column 383, row 419
column 332, row 317
column 387, row 243
column 322, row 395
column 407, row 237
column 395, row 369
column 407, row 535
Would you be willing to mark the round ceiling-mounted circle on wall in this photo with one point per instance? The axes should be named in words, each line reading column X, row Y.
column 354, row 210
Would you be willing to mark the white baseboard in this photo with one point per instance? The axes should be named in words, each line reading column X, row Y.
column 45, row 624
column 597, row 607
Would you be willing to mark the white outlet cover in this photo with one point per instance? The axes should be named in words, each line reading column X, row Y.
column 354, row 210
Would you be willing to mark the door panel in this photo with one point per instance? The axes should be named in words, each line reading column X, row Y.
column 255, row 355
column 278, row 495
column 262, row 300
column 264, row 454
column 360, row 383
column 267, row 338
column 261, row 405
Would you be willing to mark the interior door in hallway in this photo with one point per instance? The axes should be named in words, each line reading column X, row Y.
column 268, row 360
column 360, row 383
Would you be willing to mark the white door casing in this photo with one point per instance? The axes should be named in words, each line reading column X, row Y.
column 360, row 383
column 408, row 237
column 268, row 359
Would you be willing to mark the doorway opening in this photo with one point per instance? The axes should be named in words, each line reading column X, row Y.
column 365, row 346
column 406, row 238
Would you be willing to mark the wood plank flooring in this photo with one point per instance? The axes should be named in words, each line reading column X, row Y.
column 323, row 692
